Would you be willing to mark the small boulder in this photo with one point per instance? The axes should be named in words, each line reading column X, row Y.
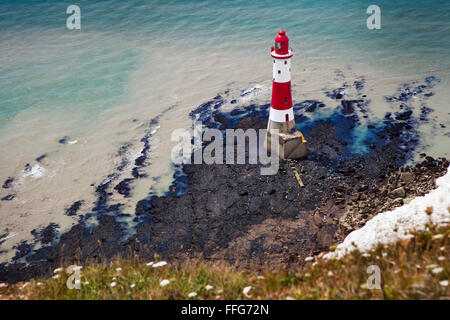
column 407, row 177
column 398, row 193
column 397, row 202
column 354, row 196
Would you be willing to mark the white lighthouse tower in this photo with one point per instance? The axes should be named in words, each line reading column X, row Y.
column 292, row 144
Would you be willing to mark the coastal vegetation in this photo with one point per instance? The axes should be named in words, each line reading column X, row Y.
column 415, row 267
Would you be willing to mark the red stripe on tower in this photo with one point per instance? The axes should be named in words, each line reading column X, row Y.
column 281, row 96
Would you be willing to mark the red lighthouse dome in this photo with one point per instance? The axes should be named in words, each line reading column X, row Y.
column 282, row 43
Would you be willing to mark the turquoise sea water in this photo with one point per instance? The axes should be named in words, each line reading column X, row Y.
column 133, row 60
column 94, row 75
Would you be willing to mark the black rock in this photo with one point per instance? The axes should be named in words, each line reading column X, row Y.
column 41, row 157
column 73, row 209
column 27, row 168
column 124, row 187
column 8, row 197
column 64, row 140
column 22, row 250
column 8, row 182
column 140, row 161
column 47, row 234
column 403, row 115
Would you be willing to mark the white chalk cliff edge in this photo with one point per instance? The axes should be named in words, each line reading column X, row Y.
column 389, row 226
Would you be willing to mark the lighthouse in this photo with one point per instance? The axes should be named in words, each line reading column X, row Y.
column 281, row 125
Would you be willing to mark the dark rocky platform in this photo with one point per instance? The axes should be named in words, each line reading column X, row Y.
column 232, row 213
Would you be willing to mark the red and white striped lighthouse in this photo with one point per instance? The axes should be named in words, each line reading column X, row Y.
column 281, row 115
column 281, row 104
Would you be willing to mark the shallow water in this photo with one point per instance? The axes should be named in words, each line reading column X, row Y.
column 133, row 60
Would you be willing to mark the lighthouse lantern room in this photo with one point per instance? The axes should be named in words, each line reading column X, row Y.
column 292, row 144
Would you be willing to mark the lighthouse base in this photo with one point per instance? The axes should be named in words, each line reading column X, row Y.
column 291, row 143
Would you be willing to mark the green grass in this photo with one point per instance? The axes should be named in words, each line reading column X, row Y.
column 414, row 268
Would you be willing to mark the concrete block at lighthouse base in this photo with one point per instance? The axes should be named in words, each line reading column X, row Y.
column 292, row 145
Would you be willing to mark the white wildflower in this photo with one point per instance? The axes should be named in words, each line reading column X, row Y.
column 56, row 276
column 246, row 290
column 57, row 270
column 438, row 236
column 208, row 287
column 118, row 269
column 132, row 285
column 437, row 270
column 192, row 294
column 113, row 284
column 444, row 283
column 431, row 266
column 24, row 285
column 289, row 298
column 164, row 283
column 149, row 264
column 308, row 259
column 3, row 285
column 330, row 273
column 441, row 258
column 159, row 264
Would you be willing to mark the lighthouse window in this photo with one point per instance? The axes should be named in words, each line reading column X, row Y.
column 274, row 61
column 279, row 71
column 278, row 46
column 285, row 62
column 285, row 100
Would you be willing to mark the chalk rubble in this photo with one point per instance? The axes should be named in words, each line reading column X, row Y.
column 389, row 226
